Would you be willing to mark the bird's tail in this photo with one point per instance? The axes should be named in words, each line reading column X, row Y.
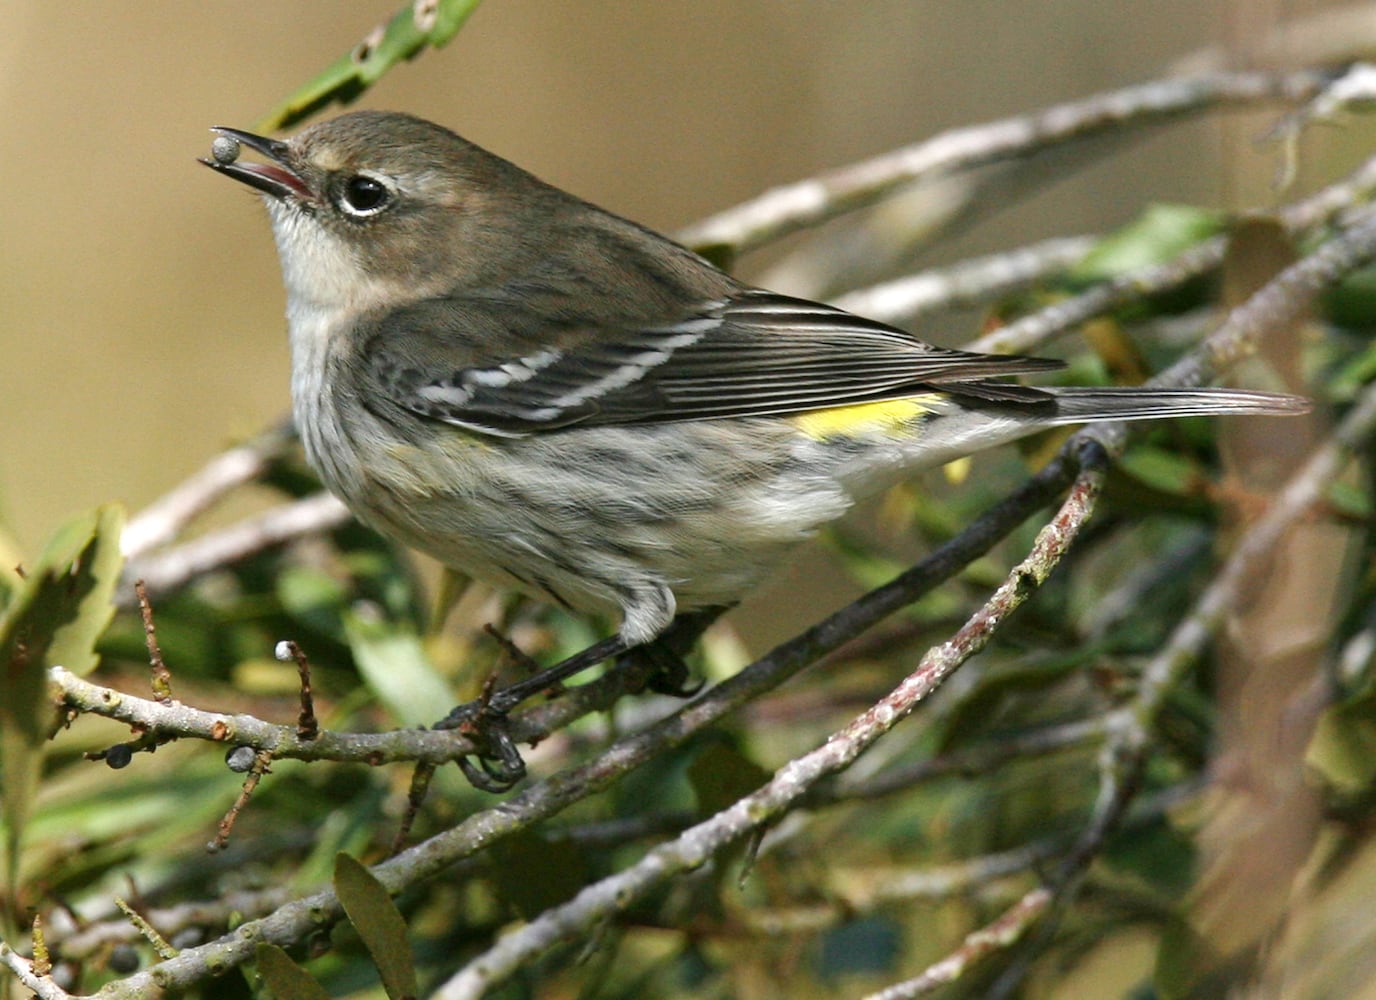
column 997, row 413
column 1076, row 405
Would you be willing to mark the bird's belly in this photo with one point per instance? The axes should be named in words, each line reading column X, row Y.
column 605, row 519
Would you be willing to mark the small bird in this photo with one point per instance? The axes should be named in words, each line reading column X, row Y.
column 546, row 396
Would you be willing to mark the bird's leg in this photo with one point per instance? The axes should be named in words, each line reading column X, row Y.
column 499, row 770
column 509, row 697
column 500, row 765
column 664, row 654
column 499, row 703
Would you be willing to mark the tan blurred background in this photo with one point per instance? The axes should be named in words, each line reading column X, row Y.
column 140, row 307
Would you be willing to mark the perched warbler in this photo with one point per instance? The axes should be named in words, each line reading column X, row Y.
column 546, row 396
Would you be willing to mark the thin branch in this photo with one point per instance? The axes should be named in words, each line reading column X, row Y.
column 1280, row 302
column 1305, row 490
column 885, row 886
column 163, row 520
column 1125, row 753
column 44, row 987
column 1028, row 332
column 787, row 209
column 992, row 938
column 283, row 742
column 967, row 283
column 1275, row 306
column 161, row 676
column 168, row 570
column 84, row 942
column 1031, row 331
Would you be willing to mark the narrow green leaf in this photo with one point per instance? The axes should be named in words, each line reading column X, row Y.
column 74, row 643
column 10, row 561
column 1156, row 236
column 284, row 978
column 413, row 27
column 1351, row 303
column 392, row 660
column 379, row 924
column 721, row 775
column 1343, row 747
column 1163, row 470
column 60, row 609
column 532, row 873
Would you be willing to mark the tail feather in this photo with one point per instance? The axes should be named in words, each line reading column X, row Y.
column 983, row 419
column 1082, row 405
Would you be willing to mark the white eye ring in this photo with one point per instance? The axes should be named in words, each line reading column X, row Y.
column 363, row 195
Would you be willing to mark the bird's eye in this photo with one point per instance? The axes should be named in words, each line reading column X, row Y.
column 362, row 196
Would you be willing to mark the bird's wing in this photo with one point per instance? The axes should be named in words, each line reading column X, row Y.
column 754, row 354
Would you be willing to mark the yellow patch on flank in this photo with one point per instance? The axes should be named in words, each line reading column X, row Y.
column 889, row 416
column 958, row 471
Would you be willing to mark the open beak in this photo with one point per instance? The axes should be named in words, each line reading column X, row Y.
column 275, row 178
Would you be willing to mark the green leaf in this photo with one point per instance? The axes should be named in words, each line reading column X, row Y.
column 286, row 979
column 10, row 560
column 1157, row 854
column 351, row 74
column 59, row 611
column 1159, row 234
column 392, row 660
column 1162, row 470
column 1343, row 747
column 532, row 873
column 99, row 567
column 1352, row 374
column 1351, row 303
column 721, row 775
column 379, row 924
column 1181, row 961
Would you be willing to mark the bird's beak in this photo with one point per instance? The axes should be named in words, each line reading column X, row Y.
column 275, row 178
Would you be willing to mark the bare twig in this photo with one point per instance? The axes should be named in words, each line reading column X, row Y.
column 307, row 726
column 1129, row 744
column 974, row 760
column 806, row 203
column 851, row 893
column 42, row 986
column 162, row 677
column 1030, row 331
column 1305, row 490
column 415, row 798
column 978, row 945
column 1274, row 307
column 164, row 571
column 164, row 519
column 968, row 283
column 262, row 762
column 82, row 943
column 283, row 742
